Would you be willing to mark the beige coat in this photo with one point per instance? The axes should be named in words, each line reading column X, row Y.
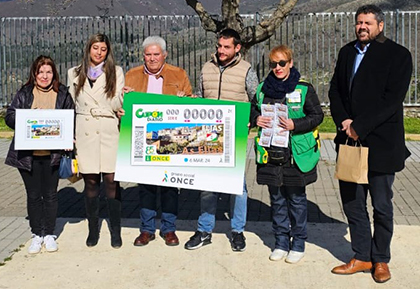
column 97, row 130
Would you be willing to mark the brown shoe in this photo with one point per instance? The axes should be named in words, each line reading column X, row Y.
column 381, row 272
column 352, row 267
column 170, row 239
column 144, row 239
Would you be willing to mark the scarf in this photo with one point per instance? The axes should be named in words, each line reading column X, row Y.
column 95, row 71
column 274, row 87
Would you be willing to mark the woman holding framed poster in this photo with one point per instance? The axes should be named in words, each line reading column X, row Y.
column 39, row 168
column 96, row 86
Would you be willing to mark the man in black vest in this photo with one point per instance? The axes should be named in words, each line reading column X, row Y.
column 367, row 91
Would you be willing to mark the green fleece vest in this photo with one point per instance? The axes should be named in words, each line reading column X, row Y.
column 305, row 150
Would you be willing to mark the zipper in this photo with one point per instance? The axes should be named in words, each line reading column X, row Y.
column 220, row 84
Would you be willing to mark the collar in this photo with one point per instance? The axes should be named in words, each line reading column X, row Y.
column 359, row 48
column 45, row 90
column 233, row 62
column 157, row 74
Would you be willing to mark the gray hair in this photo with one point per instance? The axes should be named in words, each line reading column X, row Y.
column 154, row 40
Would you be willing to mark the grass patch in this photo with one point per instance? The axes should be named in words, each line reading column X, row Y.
column 412, row 125
column 3, row 126
column 327, row 125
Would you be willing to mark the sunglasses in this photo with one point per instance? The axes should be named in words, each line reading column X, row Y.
column 282, row 63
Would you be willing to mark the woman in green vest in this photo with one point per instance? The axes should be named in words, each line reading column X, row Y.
column 287, row 112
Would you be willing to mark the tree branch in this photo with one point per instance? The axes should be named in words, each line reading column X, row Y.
column 256, row 34
column 209, row 23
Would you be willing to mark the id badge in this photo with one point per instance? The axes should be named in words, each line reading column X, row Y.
column 293, row 97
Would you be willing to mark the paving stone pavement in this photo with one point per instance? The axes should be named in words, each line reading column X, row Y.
column 324, row 205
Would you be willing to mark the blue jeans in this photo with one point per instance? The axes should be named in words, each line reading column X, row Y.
column 238, row 208
column 148, row 208
column 289, row 210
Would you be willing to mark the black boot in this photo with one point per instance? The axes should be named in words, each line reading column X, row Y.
column 92, row 215
column 114, row 209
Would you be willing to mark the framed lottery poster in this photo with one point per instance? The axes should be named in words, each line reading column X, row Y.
column 39, row 129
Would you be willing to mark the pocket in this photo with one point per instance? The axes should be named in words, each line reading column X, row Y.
column 305, row 151
column 278, row 156
column 302, row 143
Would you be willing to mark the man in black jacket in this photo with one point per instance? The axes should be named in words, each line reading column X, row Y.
column 367, row 91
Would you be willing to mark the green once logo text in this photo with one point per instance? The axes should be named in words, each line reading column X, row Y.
column 153, row 114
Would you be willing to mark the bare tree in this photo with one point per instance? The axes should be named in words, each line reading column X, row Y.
column 230, row 18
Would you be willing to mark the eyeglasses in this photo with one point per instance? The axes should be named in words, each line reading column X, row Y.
column 282, row 63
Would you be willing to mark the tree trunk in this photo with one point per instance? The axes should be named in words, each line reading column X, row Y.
column 250, row 35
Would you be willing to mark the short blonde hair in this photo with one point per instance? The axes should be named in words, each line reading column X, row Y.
column 283, row 49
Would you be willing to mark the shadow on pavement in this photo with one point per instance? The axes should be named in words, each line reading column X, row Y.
column 71, row 205
column 331, row 238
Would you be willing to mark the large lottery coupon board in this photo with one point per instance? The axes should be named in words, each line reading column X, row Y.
column 184, row 142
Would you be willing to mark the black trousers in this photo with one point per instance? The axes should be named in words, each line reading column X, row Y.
column 41, row 189
column 368, row 247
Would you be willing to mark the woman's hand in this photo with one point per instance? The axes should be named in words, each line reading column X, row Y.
column 264, row 122
column 126, row 89
column 287, row 123
column 120, row 112
column 69, row 150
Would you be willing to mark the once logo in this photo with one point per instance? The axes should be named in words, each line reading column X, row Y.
column 182, row 180
column 158, row 158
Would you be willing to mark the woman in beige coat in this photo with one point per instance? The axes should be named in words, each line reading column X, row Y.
column 96, row 86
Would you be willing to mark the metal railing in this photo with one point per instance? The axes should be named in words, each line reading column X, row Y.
column 315, row 39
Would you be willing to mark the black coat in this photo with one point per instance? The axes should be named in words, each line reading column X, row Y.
column 24, row 98
column 374, row 100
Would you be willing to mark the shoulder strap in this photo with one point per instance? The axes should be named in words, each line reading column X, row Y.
column 259, row 95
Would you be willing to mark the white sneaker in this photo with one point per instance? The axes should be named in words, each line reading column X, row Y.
column 50, row 243
column 294, row 257
column 36, row 244
column 278, row 254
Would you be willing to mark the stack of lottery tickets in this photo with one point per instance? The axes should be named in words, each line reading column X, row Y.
column 275, row 135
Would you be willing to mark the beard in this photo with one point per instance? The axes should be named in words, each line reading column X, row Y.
column 366, row 39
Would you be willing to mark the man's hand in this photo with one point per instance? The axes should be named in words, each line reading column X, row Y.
column 350, row 132
column 346, row 124
column 180, row 94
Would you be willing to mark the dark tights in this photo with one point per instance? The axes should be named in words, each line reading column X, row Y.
column 93, row 181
